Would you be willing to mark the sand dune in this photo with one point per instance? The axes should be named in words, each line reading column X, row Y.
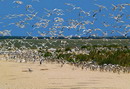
column 52, row 76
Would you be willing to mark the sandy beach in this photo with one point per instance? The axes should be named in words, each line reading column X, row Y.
column 51, row 76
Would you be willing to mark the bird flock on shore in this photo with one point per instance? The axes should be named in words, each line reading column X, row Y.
column 23, row 56
column 102, row 21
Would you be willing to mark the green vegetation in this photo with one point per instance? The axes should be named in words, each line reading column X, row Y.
column 72, row 43
column 114, row 51
column 120, row 56
column 101, row 55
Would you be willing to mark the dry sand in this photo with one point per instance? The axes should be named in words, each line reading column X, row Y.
column 52, row 76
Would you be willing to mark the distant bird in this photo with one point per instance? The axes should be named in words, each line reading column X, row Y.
column 101, row 7
column 30, row 70
column 114, row 7
column 18, row 2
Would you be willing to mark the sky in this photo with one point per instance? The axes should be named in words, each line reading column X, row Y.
column 11, row 21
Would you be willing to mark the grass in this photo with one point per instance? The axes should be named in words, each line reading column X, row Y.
column 72, row 43
column 113, row 51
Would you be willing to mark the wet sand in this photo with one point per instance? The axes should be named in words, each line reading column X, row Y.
column 51, row 76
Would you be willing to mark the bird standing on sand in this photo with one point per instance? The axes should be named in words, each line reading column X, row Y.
column 30, row 70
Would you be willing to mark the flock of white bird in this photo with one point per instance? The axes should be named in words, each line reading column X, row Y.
column 24, row 56
column 55, row 23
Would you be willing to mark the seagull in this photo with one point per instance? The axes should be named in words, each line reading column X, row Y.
column 30, row 70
